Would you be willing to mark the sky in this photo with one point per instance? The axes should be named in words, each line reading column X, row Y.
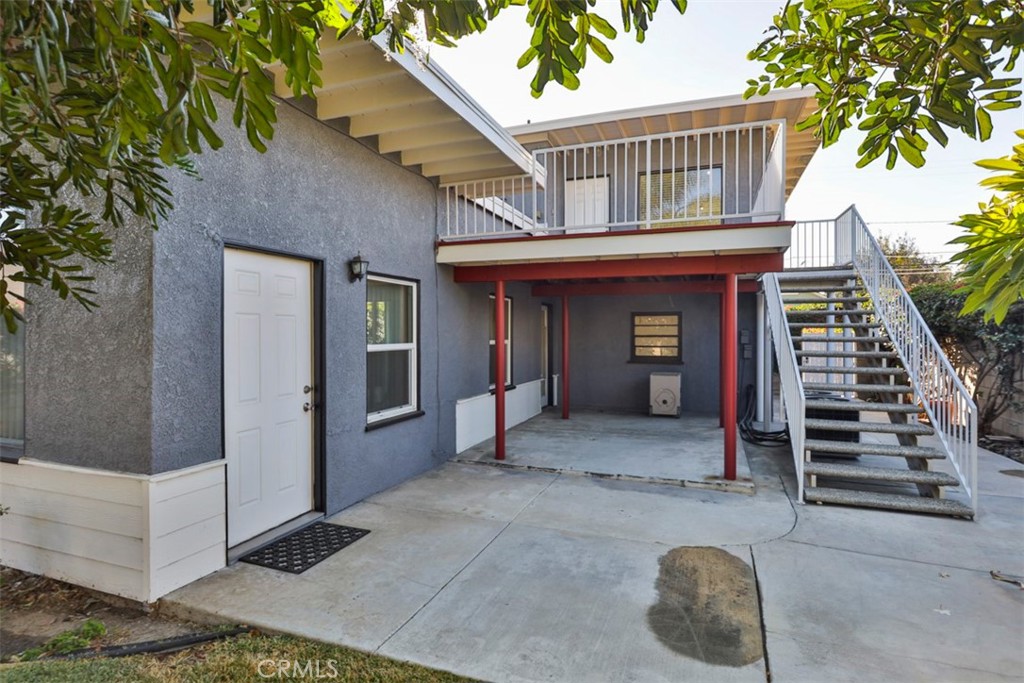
column 703, row 54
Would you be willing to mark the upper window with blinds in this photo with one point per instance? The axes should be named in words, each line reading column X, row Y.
column 656, row 338
column 682, row 197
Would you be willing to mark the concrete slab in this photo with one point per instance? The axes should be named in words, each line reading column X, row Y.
column 838, row 615
column 993, row 541
column 660, row 513
column 547, row 605
column 360, row 595
column 484, row 493
column 685, row 451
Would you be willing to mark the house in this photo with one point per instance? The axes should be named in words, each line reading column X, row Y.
column 400, row 278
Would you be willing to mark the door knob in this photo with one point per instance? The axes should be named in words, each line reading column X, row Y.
column 307, row 389
column 307, row 407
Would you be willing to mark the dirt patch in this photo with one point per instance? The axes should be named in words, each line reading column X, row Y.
column 707, row 607
column 1006, row 446
column 1013, row 473
column 34, row 609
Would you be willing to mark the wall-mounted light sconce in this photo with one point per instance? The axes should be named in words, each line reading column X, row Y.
column 357, row 268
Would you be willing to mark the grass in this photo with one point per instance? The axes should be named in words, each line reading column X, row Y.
column 68, row 641
column 243, row 658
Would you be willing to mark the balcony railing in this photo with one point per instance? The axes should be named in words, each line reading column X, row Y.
column 725, row 174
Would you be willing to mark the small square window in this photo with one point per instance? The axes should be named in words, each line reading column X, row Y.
column 656, row 338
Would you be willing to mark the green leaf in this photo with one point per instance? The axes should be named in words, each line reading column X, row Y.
column 984, row 125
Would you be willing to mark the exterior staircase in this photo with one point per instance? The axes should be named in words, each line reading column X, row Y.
column 860, row 430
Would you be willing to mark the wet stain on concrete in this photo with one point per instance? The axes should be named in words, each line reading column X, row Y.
column 1013, row 473
column 707, row 607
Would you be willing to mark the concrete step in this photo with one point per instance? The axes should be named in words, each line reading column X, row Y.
column 862, row 406
column 866, row 388
column 857, row 472
column 839, row 338
column 788, row 288
column 874, row 427
column 839, row 353
column 811, row 274
column 854, row 448
column 838, row 369
column 887, row 501
column 839, row 312
column 822, row 300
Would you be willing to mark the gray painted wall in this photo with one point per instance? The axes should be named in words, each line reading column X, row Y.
column 318, row 194
column 601, row 375
column 88, row 383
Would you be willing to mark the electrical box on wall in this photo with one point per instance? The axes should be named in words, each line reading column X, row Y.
column 665, row 393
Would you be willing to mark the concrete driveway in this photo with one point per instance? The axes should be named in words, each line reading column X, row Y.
column 509, row 575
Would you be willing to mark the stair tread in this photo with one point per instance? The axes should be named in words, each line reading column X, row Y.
column 836, row 312
column 820, row 300
column 823, row 274
column 866, row 388
column 850, row 340
column 888, row 501
column 833, row 325
column 797, row 289
column 814, row 353
column 847, row 471
column 855, row 448
column 861, row 406
column 839, row 369
column 874, row 427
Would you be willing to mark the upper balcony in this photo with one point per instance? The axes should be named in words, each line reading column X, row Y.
column 658, row 176
column 711, row 176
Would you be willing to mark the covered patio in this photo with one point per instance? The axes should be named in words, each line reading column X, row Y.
column 685, row 451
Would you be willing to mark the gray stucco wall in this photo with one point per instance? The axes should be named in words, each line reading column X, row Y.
column 88, row 384
column 601, row 375
column 318, row 194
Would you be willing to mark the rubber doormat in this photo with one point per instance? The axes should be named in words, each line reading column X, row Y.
column 297, row 552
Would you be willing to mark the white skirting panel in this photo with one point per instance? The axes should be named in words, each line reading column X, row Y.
column 474, row 417
column 136, row 536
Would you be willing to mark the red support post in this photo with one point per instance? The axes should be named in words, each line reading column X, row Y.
column 729, row 325
column 499, row 370
column 565, row 357
column 721, row 358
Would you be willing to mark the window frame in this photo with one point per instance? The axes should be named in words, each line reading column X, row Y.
column 413, row 407
column 643, row 211
column 509, row 384
column 677, row 359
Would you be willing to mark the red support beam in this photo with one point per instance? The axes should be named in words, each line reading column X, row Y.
column 632, row 267
column 640, row 288
column 565, row 357
column 729, row 324
column 499, row 370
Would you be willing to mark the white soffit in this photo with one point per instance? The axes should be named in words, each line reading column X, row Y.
column 793, row 105
column 413, row 108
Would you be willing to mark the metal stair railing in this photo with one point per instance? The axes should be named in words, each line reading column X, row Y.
column 944, row 398
column 789, row 374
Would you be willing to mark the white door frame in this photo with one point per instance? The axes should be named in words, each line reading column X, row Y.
column 316, row 373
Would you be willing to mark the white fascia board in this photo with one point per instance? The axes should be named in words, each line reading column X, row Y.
column 661, row 109
column 731, row 239
column 437, row 81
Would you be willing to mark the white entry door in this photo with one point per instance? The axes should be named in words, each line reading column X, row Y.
column 268, row 381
